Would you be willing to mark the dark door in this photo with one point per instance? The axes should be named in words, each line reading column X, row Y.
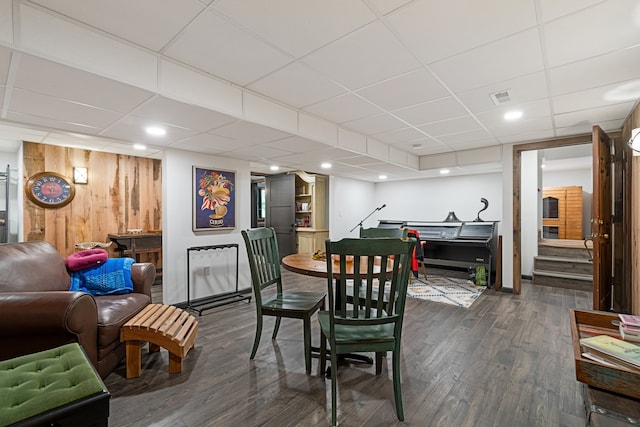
column 601, row 220
column 281, row 214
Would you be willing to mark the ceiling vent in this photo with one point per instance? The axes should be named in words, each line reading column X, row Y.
column 501, row 97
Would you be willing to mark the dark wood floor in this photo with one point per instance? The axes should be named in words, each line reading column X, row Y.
column 505, row 361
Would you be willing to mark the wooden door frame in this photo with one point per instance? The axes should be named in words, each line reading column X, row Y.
column 517, row 193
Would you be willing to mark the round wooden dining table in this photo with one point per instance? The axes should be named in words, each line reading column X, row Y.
column 305, row 264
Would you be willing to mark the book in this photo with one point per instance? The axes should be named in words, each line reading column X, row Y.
column 614, row 350
column 629, row 334
column 630, row 320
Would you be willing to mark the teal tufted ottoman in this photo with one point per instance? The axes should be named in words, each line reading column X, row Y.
column 53, row 387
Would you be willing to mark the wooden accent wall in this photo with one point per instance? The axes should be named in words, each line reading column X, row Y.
column 123, row 192
column 569, row 220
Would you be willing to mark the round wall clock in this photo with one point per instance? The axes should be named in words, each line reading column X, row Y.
column 50, row 190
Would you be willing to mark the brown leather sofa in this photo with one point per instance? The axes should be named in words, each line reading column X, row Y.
column 37, row 311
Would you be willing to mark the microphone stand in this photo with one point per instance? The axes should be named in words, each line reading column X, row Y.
column 366, row 217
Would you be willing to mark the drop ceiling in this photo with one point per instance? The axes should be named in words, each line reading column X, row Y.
column 376, row 87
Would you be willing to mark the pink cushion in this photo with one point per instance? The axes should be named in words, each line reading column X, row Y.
column 85, row 259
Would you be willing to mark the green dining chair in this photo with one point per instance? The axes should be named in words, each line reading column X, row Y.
column 369, row 324
column 270, row 298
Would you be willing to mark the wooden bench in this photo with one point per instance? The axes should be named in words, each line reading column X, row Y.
column 163, row 326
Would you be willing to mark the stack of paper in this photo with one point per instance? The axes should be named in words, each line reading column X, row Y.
column 629, row 327
column 611, row 350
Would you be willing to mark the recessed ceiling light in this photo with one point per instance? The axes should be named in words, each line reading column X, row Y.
column 274, row 168
column 512, row 115
column 444, row 171
column 156, row 131
column 326, row 165
column 382, row 177
column 139, row 147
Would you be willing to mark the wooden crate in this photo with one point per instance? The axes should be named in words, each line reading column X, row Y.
column 618, row 380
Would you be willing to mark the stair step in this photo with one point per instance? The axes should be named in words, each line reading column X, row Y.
column 564, row 259
column 555, row 251
column 583, row 282
column 563, row 264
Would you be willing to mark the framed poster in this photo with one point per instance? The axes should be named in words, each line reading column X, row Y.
column 214, row 199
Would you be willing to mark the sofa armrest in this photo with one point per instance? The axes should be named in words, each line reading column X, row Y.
column 36, row 321
column 143, row 274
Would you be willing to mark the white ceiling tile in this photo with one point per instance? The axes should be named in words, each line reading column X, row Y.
column 397, row 156
column 219, row 55
column 6, row 22
column 5, row 61
column 439, row 29
column 377, row 149
column 501, row 60
column 208, row 143
column 386, row 6
column 363, row 57
column 536, row 135
column 524, row 126
column 39, row 105
column 444, row 127
column 521, row 89
column 605, row 27
column 258, row 153
column 296, row 85
column 614, row 67
column 401, row 135
column 248, row 132
column 176, row 113
column 469, row 136
column 585, row 99
column 298, row 27
column 297, row 144
column 197, row 88
column 594, row 115
column 150, row 23
column 552, row 9
column 434, row 111
column 36, row 75
column 375, row 124
column 359, row 161
column 408, row 89
column 530, row 110
column 76, row 45
column 51, row 123
column 343, row 108
column 587, row 127
column 132, row 128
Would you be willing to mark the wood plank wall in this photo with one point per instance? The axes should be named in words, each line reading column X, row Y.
column 123, row 192
column 569, row 221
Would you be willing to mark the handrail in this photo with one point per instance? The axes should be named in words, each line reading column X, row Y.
column 587, row 247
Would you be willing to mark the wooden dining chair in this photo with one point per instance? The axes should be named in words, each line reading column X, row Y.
column 369, row 324
column 270, row 297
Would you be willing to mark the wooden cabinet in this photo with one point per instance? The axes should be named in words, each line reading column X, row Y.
column 562, row 213
column 310, row 211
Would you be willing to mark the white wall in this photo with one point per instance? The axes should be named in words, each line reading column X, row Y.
column 432, row 199
column 177, row 233
column 530, row 195
column 350, row 200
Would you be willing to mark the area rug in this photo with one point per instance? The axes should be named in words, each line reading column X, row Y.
column 448, row 290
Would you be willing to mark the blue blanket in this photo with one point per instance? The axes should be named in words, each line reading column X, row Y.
column 112, row 277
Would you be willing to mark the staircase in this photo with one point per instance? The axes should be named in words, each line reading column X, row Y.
column 563, row 264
